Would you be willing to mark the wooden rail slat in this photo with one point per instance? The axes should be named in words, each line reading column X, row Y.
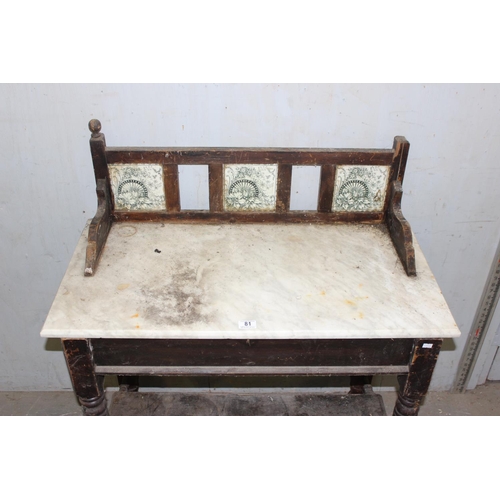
column 216, row 187
column 284, row 187
column 235, row 371
column 250, row 217
column 198, row 156
column 171, row 182
column 326, row 185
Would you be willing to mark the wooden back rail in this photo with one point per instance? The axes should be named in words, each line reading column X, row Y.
column 346, row 167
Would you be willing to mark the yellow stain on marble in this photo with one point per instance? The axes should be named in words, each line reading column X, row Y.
column 355, row 300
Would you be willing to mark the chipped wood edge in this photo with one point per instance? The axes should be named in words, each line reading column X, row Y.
column 98, row 229
column 400, row 230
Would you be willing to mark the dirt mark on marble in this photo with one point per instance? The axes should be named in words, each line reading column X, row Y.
column 180, row 301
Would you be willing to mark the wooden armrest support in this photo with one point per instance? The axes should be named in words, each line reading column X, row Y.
column 99, row 228
column 399, row 229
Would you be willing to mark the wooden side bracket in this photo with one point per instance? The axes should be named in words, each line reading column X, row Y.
column 400, row 230
column 99, row 228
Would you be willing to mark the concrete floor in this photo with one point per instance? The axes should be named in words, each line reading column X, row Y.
column 482, row 401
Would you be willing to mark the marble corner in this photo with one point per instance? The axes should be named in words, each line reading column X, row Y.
column 360, row 188
column 137, row 187
column 250, row 187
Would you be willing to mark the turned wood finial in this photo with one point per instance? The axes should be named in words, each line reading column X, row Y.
column 95, row 127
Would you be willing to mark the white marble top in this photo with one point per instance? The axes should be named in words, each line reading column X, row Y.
column 159, row 280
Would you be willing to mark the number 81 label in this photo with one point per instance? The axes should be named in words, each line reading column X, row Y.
column 248, row 324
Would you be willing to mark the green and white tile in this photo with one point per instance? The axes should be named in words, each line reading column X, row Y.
column 250, row 187
column 137, row 187
column 360, row 188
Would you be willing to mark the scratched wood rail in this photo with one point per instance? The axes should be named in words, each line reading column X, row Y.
column 249, row 287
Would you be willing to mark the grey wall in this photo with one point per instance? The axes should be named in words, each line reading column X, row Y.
column 47, row 190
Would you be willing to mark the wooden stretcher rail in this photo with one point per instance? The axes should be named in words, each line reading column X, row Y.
column 193, row 216
column 235, row 371
column 198, row 156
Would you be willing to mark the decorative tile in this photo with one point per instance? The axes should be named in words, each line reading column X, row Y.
column 138, row 186
column 250, row 187
column 360, row 188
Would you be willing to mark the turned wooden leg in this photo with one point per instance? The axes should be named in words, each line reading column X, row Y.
column 87, row 385
column 128, row 383
column 358, row 383
column 414, row 386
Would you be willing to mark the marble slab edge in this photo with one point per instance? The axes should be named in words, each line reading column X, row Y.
column 245, row 334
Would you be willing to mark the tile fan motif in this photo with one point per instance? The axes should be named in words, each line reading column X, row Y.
column 250, row 187
column 360, row 188
column 137, row 187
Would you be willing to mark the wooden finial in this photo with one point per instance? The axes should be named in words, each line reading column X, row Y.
column 95, row 127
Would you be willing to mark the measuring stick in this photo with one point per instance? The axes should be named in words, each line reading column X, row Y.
column 479, row 327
